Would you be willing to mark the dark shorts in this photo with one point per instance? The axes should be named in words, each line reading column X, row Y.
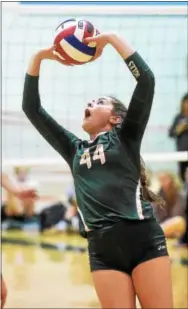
column 125, row 245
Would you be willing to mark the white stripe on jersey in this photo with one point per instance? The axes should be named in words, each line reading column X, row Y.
column 139, row 203
column 83, row 221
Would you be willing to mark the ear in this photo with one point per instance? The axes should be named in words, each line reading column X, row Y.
column 115, row 120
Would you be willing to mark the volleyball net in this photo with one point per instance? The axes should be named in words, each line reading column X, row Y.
column 54, row 176
column 157, row 31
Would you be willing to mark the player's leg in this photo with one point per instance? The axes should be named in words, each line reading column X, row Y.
column 151, row 271
column 114, row 289
column 3, row 292
column 110, row 266
column 152, row 283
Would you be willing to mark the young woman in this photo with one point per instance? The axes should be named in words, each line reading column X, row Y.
column 22, row 194
column 127, row 248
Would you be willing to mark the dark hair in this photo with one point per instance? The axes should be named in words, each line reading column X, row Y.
column 118, row 107
column 120, row 110
column 184, row 98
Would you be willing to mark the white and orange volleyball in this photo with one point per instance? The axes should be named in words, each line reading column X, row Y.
column 69, row 44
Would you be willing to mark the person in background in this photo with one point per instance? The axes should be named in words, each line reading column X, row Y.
column 15, row 189
column 179, row 131
column 20, row 193
column 61, row 217
column 171, row 217
column 22, row 177
column 184, row 238
column 20, row 209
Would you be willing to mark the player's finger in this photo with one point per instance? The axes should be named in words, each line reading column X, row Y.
column 91, row 39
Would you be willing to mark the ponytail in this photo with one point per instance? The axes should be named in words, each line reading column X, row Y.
column 146, row 192
column 121, row 110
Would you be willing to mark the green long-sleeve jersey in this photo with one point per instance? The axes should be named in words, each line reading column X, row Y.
column 106, row 171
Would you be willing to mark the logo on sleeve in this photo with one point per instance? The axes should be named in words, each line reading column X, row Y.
column 133, row 68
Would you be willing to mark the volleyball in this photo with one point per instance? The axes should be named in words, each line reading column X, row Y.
column 68, row 41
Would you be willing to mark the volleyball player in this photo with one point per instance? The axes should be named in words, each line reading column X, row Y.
column 127, row 248
column 20, row 193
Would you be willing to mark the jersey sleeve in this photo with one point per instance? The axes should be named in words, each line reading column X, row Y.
column 63, row 141
column 135, row 122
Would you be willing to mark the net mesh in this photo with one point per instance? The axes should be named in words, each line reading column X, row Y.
column 161, row 39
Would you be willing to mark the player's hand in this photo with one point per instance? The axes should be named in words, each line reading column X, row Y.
column 101, row 41
column 51, row 54
column 26, row 194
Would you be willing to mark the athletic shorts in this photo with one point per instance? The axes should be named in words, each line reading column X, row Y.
column 125, row 245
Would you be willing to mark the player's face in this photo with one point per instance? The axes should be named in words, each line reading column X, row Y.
column 97, row 115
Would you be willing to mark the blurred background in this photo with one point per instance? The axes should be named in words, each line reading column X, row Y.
column 44, row 260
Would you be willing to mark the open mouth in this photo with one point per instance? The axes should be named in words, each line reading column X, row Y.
column 87, row 113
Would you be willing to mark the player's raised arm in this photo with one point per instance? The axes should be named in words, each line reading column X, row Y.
column 59, row 138
column 139, row 109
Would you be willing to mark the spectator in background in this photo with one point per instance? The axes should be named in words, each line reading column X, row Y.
column 21, row 209
column 184, row 238
column 61, row 217
column 70, row 221
column 179, row 131
column 171, row 217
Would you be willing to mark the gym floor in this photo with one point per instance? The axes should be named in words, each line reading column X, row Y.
column 52, row 271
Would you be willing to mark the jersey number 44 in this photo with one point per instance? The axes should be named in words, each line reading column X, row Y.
column 86, row 157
